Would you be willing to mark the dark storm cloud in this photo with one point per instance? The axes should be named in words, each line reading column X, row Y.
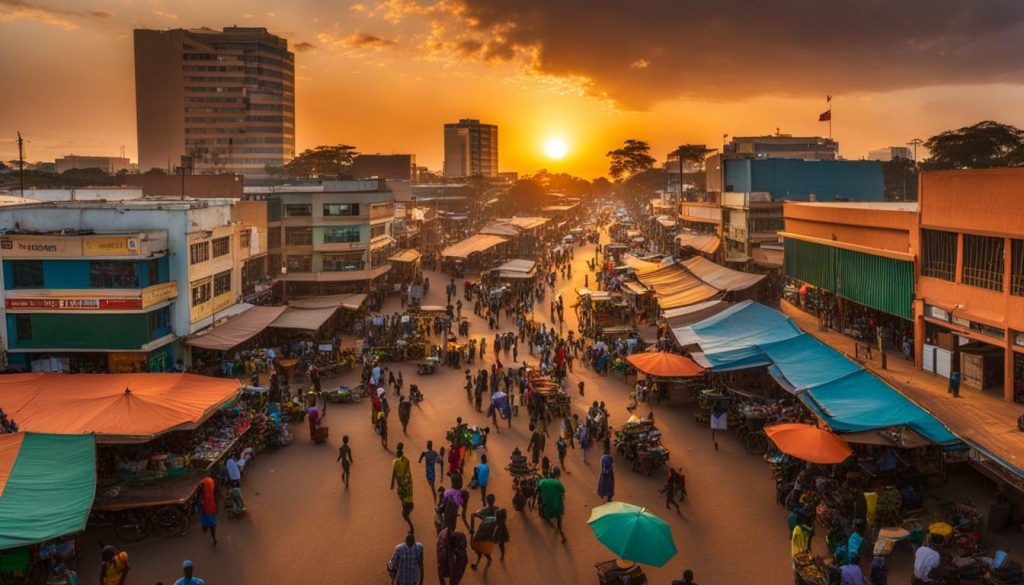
column 638, row 52
column 303, row 46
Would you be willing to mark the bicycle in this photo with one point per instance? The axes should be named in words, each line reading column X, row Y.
column 135, row 524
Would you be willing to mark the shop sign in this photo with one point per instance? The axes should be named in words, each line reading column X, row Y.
column 59, row 304
column 110, row 246
column 159, row 293
column 16, row 246
column 936, row 313
column 1018, row 339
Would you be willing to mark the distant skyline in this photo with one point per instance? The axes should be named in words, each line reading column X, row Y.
column 387, row 75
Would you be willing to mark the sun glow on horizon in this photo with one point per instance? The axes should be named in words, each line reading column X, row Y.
column 556, row 148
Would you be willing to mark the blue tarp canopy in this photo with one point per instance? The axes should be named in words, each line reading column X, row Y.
column 847, row 397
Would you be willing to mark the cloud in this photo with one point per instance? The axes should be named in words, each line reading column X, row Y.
column 167, row 15
column 639, row 55
column 303, row 46
column 11, row 10
column 355, row 40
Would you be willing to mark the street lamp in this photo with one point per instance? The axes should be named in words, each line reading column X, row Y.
column 284, row 283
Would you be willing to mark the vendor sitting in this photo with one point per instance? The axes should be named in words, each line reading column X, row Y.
column 622, row 571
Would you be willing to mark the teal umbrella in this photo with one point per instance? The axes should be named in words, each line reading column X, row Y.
column 633, row 533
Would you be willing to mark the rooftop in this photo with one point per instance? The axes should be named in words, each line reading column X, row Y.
column 148, row 203
column 908, row 206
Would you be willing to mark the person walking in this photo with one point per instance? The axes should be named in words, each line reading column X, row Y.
column 482, row 475
column 382, row 428
column 404, row 412
column 954, row 384
column 606, row 481
column 345, row 457
column 187, row 577
column 686, row 580
column 401, row 475
column 561, row 448
column 452, row 555
column 536, row 444
column 552, row 499
column 114, row 567
column 207, row 506
column 670, row 489
column 583, row 435
column 406, row 564
column 432, row 460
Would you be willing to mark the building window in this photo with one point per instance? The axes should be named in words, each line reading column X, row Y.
column 113, row 274
column 221, row 283
column 341, row 209
column 300, row 263
column 984, row 262
column 274, row 237
column 378, row 230
column 27, row 273
column 343, row 262
column 199, row 252
column 298, row 236
column 153, row 267
column 298, row 210
column 159, row 321
column 23, row 327
column 341, row 234
column 938, row 254
column 221, row 246
column 1017, row 268
column 201, row 293
column 245, row 238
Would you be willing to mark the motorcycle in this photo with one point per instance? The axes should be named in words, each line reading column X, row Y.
column 415, row 395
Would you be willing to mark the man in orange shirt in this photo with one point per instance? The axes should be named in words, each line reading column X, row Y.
column 208, row 507
column 114, row 569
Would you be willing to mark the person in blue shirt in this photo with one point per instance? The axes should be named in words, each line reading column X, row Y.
column 187, row 578
column 482, row 474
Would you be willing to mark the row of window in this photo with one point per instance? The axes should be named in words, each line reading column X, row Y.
column 342, row 262
column 983, row 261
column 247, row 130
column 200, row 251
column 329, row 209
column 102, row 274
column 208, row 288
column 242, row 140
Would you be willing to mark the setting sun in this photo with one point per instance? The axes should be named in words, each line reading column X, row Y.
column 556, row 148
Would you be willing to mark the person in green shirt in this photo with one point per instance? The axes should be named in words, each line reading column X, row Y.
column 552, row 499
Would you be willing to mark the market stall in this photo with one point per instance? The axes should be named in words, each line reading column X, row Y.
column 552, row 392
column 639, row 441
column 47, row 485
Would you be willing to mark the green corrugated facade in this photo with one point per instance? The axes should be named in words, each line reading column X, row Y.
column 881, row 283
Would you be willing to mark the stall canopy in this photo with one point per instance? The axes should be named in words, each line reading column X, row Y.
column 352, row 302
column 236, row 330
column 637, row 265
column 707, row 243
column 848, row 398
column 517, row 269
column 674, row 286
column 721, row 277
column 119, row 408
column 472, row 245
column 682, row 316
column 410, row 255
column 305, row 319
column 809, row 443
column 47, row 486
column 665, row 364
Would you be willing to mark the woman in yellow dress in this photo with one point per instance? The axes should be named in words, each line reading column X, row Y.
column 401, row 475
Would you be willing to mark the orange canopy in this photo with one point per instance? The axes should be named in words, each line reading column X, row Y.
column 809, row 443
column 120, row 408
column 665, row 364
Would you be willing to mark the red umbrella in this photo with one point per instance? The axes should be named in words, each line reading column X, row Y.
column 665, row 364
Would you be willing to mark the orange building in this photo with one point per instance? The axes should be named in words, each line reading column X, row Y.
column 970, row 278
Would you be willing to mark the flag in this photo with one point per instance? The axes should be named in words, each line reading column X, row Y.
column 828, row 98
column 825, row 116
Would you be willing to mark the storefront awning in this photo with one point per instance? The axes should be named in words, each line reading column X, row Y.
column 674, row 286
column 472, row 245
column 634, row 288
column 410, row 255
column 682, row 316
column 638, row 265
column 706, row 243
column 304, row 319
column 520, row 268
column 118, row 408
column 721, row 277
column 47, row 486
column 352, row 302
column 236, row 330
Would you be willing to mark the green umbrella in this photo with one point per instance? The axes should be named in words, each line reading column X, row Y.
column 633, row 533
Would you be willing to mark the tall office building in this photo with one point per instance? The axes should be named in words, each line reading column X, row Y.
column 470, row 149
column 215, row 101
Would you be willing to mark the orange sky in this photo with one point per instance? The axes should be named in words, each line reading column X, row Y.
column 386, row 75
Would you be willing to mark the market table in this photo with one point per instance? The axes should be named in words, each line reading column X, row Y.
column 156, row 492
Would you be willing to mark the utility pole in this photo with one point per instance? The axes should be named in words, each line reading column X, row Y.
column 915, row 143
column 21, row 164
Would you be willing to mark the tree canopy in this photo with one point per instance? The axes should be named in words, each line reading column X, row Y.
column 526, row 194
column 984, row 145
column 633, row 157
column 563, row 183
column 322, row 161
column 692, row 153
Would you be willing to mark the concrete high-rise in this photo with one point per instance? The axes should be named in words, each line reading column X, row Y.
column 470, row 149
column 224, row 99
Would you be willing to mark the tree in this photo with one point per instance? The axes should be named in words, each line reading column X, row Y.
column 526, row 194
column 900, row 177
column 692, row 153
column 981, row 146
column 322, row 161
column 273, row 170
column 644, row 184
column 634, row 157
column 601, row 186
column 563, row 183
column 155, row 171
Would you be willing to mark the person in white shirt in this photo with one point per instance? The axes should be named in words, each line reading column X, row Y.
column 235, row 465
column 925, row 559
